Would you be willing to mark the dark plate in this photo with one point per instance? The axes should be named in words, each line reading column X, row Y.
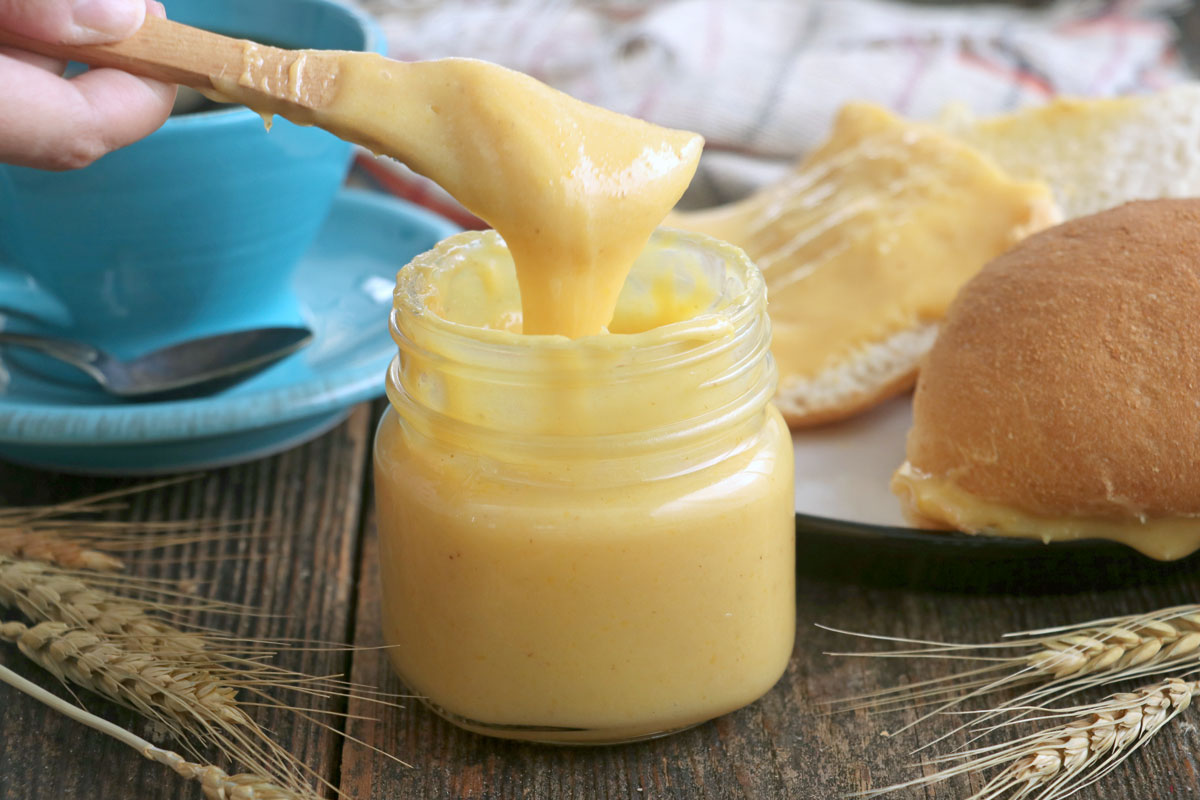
column 849, row 525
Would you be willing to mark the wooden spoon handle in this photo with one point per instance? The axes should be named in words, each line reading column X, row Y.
column 164, row 50
column 176, row 53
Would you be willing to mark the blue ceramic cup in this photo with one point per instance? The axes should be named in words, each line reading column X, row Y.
column 193, row 230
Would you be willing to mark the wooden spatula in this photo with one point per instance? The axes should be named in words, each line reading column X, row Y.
column 266, row 77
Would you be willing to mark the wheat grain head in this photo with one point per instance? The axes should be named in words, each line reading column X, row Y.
column 1059, row 761
column 44, row 593
column 35, row 545
column 182, row 698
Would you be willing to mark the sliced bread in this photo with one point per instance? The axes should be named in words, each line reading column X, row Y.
column 1096, row 154
column 863, row 245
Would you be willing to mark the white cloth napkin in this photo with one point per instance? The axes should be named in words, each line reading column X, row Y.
column 762, row 79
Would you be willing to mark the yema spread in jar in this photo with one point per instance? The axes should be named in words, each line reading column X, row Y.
column 588, row 539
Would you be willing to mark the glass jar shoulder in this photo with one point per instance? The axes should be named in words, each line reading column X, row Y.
column 754, row 469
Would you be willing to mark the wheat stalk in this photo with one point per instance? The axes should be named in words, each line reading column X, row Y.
column 215, row 782
column 192, row 682
column 68, row 535
column 112, row 645
column 44, row 593
column 198, row 705
column 117, row 636
column 1171, row 636
column 1055, row 662
column 37, row 545
column 1059, row 761
column 218, row 784
column 182, row 698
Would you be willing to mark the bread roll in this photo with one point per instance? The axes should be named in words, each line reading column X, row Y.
column 1062, row 396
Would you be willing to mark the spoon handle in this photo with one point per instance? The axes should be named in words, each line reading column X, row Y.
column 264, row 76
column 77, row 354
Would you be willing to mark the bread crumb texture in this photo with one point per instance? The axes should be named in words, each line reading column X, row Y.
column 1096, row 153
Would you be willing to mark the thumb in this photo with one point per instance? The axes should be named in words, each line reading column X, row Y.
column 73, row 21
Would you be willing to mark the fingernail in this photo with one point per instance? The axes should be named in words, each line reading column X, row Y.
column 107, row 19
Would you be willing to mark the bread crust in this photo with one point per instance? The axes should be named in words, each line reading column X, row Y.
column 798, row 418
column 872, row 374
column 1066, row 377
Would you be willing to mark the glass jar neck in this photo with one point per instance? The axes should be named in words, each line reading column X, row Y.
column 690, row 369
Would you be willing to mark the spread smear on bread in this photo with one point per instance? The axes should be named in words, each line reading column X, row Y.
column 863, row 246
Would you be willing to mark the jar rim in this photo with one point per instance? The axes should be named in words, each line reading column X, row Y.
column 721, row 351
column 728, row 312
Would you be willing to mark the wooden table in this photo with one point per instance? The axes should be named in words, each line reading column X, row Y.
column 311, row 569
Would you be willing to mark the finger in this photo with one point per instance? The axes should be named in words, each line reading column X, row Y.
column 73, row 21
column 53, row 65
column 59, row 66
column 52, row 123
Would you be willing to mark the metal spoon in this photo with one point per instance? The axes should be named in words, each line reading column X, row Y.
column 195, row 365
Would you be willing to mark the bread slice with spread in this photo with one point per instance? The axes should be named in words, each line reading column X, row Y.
column 863, row 246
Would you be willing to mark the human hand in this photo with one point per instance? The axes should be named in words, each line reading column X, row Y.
column 50, row 122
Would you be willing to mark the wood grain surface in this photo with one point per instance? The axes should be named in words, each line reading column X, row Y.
column 310, row 568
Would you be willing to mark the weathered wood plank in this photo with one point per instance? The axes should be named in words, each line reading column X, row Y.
column 297, row 569
column 785, row 746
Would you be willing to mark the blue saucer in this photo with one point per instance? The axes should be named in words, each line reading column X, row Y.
column 344, row 283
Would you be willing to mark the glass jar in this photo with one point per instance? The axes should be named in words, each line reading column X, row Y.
column 585, row 540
